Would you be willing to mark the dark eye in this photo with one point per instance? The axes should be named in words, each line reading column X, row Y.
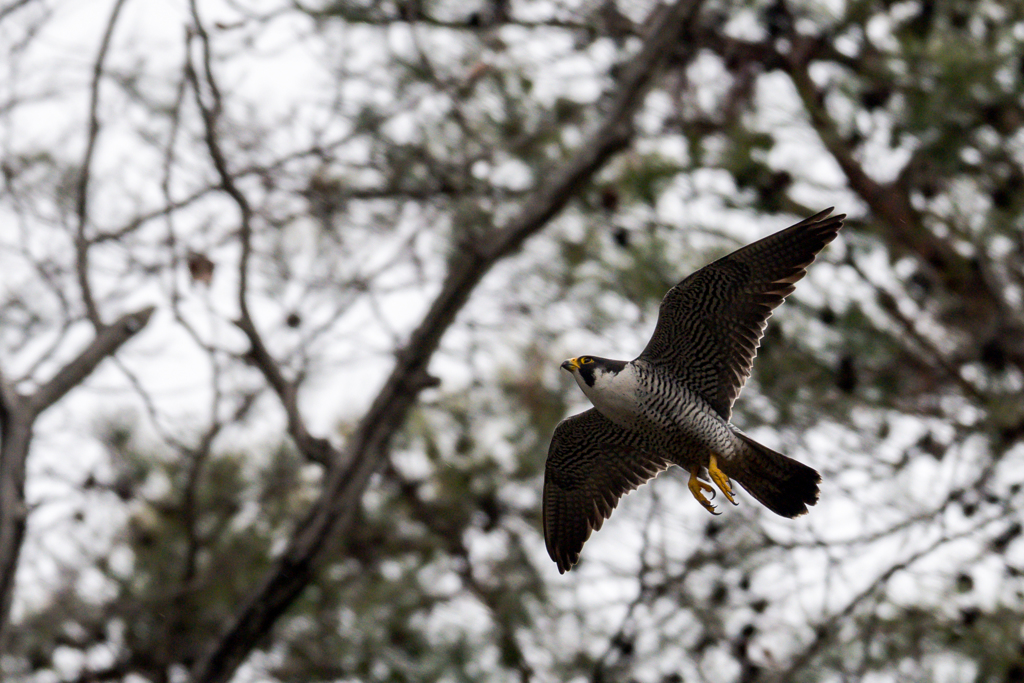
column 586, row 360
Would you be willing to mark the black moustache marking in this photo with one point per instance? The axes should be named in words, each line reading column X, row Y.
column 587, row 372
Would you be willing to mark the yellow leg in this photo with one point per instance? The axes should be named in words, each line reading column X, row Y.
column 718, row 476
column 697, row 488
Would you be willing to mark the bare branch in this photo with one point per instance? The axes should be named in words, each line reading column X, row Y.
column 106, row 343
column 15, row 436
column 986, row 317
column 891, row 306
column 81, row 206
column 12, row 7
column 316, row 449
column 827, row 628
column 350, row 474
column 17, row 416
column 889, row 201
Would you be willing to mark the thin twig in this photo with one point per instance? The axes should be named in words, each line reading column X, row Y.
column 364, row 453
column 82, row 202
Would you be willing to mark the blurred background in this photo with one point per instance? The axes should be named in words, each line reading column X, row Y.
column 285, row 286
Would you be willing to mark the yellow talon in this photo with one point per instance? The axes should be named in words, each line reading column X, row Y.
column 718, row 476
column 697, row 487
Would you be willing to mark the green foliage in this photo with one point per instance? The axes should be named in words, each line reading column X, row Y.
column 931, row 638
column 194, row 549
column 895, row 369
column 645, row 177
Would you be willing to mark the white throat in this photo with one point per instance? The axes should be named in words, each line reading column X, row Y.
column 614, row 394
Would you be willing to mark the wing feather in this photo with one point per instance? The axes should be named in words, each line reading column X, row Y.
column 591, row 464
column 710, row 324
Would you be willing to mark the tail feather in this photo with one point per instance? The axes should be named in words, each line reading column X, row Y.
column 781, row 484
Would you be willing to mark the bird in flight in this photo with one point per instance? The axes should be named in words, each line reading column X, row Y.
column 672, row 404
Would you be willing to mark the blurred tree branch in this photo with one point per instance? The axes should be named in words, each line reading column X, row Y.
column 987, row 319
column 350, row 470
column 826, row 629
column 12, row 7
column 355, row 212
column 82, row 199
column 18, row 413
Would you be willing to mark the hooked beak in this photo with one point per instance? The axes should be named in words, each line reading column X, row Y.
column 571, row 364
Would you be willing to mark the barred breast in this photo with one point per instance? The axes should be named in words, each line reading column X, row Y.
column 668, row 404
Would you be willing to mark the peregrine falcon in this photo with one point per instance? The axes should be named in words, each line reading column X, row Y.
column 672, row 404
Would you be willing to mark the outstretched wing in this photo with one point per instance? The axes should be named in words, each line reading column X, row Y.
column 591, row 464
column 711, row 323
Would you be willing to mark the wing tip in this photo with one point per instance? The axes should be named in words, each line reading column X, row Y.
column 824, row 221
column 824, row 215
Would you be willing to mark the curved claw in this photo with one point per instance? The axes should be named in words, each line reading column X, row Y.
column 720, row 478
column 697, row 488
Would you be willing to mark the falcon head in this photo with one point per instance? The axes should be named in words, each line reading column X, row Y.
column 589, row 370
